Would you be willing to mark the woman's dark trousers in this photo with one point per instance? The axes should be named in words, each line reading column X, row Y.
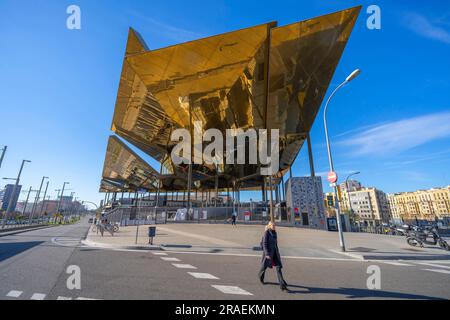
column 281, row 280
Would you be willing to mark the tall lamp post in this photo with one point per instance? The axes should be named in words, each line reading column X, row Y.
column 61, row 196
column 10, row 203
column 36, row 200
column 348, row 191
column 44, row 199
column 3, row 155
column 351, row 77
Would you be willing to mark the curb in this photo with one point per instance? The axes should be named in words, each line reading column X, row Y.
column 351, row 255
column 14, row 232
column 94, row 244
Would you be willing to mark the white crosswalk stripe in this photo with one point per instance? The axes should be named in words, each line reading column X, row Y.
column 401, row 264
column 438, row 271
column 14, row 294
column 63, row 298
column 183, row 266
column 159, row 253
column 67, row 242
column 434, row 265
column 203, row 275
column 38, row 296
column 232, row 290
column 171, row 259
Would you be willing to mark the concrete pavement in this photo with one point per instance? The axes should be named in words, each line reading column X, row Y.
column 245, row 239
column 34, row 264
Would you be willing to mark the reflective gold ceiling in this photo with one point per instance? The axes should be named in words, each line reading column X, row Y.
column 260, row 77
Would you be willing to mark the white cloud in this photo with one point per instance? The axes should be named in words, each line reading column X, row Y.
column 168, row 31
column 423, row 27
column 395, row 137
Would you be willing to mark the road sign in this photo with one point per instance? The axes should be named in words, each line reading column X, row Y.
column 332, row 177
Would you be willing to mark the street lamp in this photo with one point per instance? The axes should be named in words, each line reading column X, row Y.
column 61, row 197
column 13, row 193
column 36, row 200
column 3, row 155
column 351, row 77
column 348, row 191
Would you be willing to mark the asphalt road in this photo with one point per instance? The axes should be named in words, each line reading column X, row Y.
column 34, row 264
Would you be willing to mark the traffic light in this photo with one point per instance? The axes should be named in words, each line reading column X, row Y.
column 330, row 201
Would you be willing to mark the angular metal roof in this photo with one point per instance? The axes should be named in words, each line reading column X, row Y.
column 263, row 77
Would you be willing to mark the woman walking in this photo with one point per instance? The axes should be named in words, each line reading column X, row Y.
column 271, row 255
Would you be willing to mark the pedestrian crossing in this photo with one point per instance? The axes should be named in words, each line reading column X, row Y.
column 225, row 289
column 442, row 267
column 17, row 294
column 232, row 290
column 14, row 294
column 438, row 271
column 67, row 242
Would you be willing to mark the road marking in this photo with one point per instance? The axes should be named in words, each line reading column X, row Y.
column 82, row 298
column 438, row 271
column 63, row 298
column 171, row 259
column 38, row 296
column 67, row 242
column 183, row 266
column 232, row 290
column 434, row 265
column 14, row 294
column 159, row 253
column 259, row 256
column 398, row 264
column 348, row 254
column 203, row 276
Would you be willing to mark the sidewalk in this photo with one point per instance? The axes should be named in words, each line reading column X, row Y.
column 245, row 240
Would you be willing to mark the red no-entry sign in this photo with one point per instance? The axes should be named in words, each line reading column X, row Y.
column 332, row 177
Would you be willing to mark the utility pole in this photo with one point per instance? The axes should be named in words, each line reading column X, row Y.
column 43, row 199
column 26, row 204
column 36, row 200
column 13, row 193
column 3, row 155
column 61, row 197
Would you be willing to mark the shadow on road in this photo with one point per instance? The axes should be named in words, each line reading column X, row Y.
column 355, row 293
column 8, row 250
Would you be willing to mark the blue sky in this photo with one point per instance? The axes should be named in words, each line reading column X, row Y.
column 58, row 86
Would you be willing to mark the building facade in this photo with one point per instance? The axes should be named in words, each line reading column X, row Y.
column 370, row 205
column 427, row 205
column 343, row 190
column 305, row 202
column 6, row 195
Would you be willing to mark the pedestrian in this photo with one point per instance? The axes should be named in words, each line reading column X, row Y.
column 271, row 255
column 233, row 219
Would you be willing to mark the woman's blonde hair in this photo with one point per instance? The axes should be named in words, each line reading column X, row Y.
column 270, row 225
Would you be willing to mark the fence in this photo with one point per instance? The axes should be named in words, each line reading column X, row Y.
column 150, row 215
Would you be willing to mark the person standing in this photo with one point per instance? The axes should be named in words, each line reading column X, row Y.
column 233, row 219
column 271, row 255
